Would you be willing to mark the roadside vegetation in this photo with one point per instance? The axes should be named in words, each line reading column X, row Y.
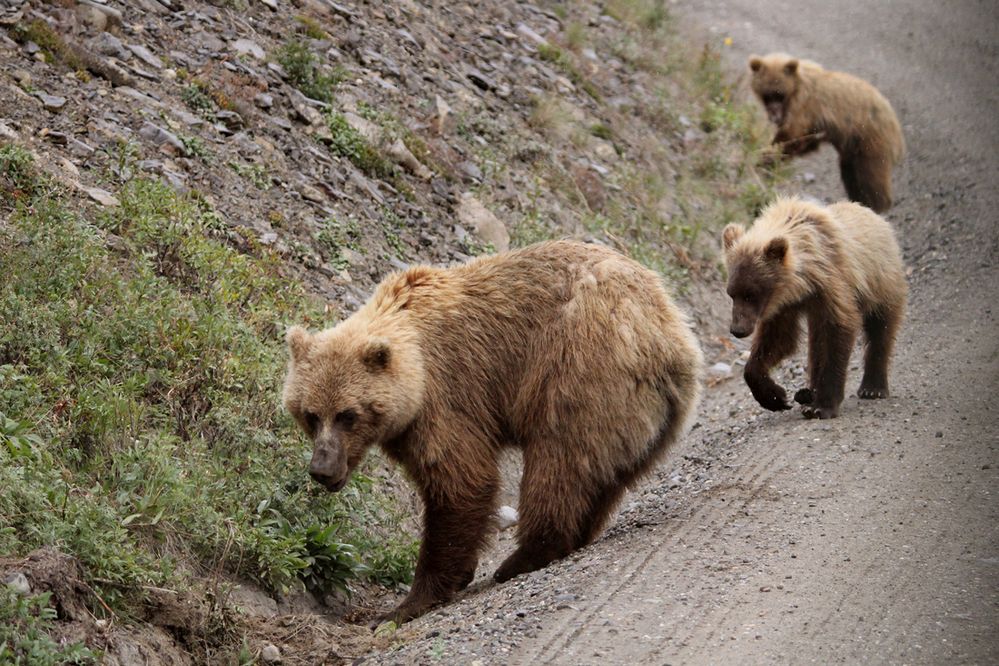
column 140, row 427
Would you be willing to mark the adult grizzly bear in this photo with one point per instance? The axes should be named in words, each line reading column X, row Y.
column 570, row 352
column 810, row 105
column 841, row 268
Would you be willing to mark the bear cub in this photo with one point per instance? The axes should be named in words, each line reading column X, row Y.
column 809, row 105
column 571, row 352
column 840, row 268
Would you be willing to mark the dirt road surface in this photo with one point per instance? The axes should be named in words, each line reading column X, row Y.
column 766, row 538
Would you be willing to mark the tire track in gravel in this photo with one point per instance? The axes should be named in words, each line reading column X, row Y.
column 700, row 528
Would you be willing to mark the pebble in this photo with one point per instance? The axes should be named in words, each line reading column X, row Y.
column 270, row 654
column 507, row 517
column 720, row 369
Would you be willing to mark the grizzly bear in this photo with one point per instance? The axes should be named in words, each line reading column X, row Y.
column 810, row 105
column 838, row 266
column 570, row 352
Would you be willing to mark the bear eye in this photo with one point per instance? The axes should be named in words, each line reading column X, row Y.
column 346, row 419
column 311, row 421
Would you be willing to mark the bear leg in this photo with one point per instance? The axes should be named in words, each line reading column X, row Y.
column 880, row 328
column 776, row 339
column 457, row 526
column 867, row 181
column 829, row 347
column 553, row 504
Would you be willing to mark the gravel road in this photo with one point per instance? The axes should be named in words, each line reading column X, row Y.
column 766, row 538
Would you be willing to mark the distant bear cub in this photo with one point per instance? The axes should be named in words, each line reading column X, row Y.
column 570, row 352
column 809, row 105
column 838, row 266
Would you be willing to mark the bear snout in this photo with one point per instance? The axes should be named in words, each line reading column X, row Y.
column 327, row 469
column 738, row 332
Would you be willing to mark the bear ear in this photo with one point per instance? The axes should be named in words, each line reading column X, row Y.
column 776, row 249
column 377, row 355
column 755, row 63
column 299, row 342
column 791, row 67
column 731, row 234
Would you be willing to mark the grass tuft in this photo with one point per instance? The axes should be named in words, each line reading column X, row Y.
column 142, row 431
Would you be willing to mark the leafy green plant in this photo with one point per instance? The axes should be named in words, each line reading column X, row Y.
column 305, row 72
column 347, row 142
column 310, row 27
column 255, row 173
column 20, row 180
column 197, row 96
column 24, row 622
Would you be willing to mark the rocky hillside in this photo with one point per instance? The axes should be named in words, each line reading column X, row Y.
column 332, row 142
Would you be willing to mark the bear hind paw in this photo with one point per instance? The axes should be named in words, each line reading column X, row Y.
column 872, row 393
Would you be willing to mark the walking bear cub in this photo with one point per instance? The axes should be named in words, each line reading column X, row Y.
column 838, row 266
column 809, row 105
column 570, row 352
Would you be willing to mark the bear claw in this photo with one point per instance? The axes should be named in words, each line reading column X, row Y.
column 819, row 412
column 867, row 393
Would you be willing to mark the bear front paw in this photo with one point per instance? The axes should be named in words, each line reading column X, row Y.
column 773, row 398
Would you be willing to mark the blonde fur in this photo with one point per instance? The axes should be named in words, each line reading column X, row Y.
column 571, row 352
column 840, row 265
column 846, row 111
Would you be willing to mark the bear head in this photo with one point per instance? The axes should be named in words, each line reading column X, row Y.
column 756, row 272
column 775, row 81
column 350, row 389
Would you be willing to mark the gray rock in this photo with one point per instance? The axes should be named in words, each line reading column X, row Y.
column 720, row 370
column 527, row 32
column 145, row 55
column 22, row 77
column 471, row 213
column 232, row 120
column 18, row 582
column 107, row 44
column 506, row 517
column 51, row 102
column 111, row 15
column 92, row 18
column 249, row 47
column 80, row 149
column 166, row 141
column 470, row 171
column 310, row 193
column 270, row 654
column 264, row 100
column 103, row 197
column 479, row 79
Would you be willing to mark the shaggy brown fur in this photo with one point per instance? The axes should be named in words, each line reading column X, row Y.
column 571, row 352
column 810, row 105
column 839, row 266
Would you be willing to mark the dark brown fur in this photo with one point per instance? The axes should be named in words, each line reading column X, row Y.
column 570, row 352
column 840, row 268
column 811, row 105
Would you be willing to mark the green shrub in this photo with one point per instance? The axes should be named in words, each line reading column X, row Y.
column 24, row 621
column 305, row 73
column 151, row 373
